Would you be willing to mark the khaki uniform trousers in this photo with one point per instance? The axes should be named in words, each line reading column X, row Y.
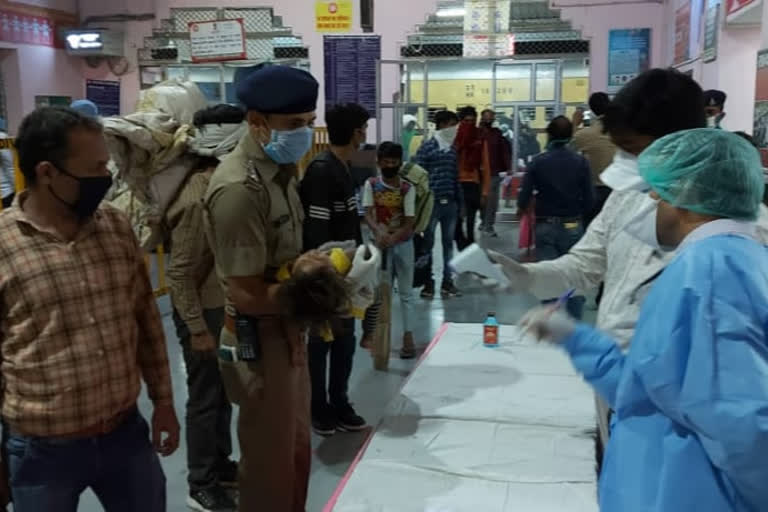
column 273, row 425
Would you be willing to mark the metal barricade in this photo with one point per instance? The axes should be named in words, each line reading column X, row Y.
column 161, row 287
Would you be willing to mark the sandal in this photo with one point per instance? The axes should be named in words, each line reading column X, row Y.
column 408, row 352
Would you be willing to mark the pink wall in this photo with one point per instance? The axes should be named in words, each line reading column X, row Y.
column 59, row 5
column 31, row 71
column 596, row 19
column 736, row 66
column 391, row 24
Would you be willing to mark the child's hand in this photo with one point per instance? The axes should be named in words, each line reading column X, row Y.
column 382, row 241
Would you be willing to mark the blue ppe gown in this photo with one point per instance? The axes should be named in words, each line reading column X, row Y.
column 690, row 431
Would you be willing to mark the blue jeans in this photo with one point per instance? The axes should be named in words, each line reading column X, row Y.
column 446, row 213
column 553, row 241
column 401, row 258
column 122, row 469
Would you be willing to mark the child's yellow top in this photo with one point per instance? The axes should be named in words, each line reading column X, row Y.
column 342, row 264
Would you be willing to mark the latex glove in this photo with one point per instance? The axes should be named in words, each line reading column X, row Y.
column 346, row 245
column 365, row 265
column 363, row 298
column 547, row 323
column 520, row 278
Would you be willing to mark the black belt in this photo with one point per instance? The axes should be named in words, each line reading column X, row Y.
column 559, row 220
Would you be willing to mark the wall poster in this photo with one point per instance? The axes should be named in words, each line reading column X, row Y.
column 683, row 32
column 760, row 131
column 629, row 54
column 711, row 26
column 105, row 94
column 350, row 70
column 734, row 6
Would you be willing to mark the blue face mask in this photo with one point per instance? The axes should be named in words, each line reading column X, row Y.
column 288, row 147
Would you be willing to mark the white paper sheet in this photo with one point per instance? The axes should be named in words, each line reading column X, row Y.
column 479, row 429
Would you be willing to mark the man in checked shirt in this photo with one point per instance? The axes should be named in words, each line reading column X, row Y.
column 80, row 329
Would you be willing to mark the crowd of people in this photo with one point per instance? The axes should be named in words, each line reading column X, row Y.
column 271, row 270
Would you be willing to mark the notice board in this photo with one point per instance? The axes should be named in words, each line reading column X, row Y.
column 105, row 94
column 350, row 70
column 333, row 15
column 629, row 54
column 215, row 41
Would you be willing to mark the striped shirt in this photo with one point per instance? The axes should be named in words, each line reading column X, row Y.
column 191, row 272
column 80, row 325
column 443, row 170
column 330, row 202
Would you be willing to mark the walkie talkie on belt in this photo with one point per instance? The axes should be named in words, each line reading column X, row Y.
column 248, row 338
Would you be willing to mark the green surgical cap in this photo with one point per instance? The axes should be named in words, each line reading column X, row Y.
column 706, row 171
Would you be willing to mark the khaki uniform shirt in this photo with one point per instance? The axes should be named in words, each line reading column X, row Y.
column 596, row 147
column 253, row 214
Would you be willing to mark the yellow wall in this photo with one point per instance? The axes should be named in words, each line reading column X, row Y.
column 454, row 94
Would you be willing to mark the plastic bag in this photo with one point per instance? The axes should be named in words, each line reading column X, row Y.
column 176, row 98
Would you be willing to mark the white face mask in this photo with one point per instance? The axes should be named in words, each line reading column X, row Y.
column 642, row 226
column 623, row 173
column 447, row 136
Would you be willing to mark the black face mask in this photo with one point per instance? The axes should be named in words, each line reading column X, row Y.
column 486, row 124
column 92, row 192
column 389, row 172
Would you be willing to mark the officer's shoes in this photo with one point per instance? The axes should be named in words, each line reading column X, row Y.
column 349, row 420
column 324, row 423
column 213, row 499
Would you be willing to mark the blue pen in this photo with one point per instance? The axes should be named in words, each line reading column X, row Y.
column 564, row 298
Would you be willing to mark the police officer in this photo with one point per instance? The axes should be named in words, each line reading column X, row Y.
column 254, row 223
column 714, row 106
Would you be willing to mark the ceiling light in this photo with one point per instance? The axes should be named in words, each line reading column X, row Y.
column 451, row 12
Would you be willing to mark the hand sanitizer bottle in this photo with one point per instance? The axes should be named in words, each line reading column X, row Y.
column 491, row 331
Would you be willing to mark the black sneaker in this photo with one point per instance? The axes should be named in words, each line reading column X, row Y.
column 324, row 422
column 228, row 475
column 428, row 292
column 348, row 420
column 213, row 499
column 449, row 290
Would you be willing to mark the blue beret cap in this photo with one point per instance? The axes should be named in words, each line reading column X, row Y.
column 278, row 90
column 85, row 107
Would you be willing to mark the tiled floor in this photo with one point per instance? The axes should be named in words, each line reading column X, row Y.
column 370, row 390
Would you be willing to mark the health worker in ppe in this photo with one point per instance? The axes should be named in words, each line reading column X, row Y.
column 690, row 396
column 656, row 103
